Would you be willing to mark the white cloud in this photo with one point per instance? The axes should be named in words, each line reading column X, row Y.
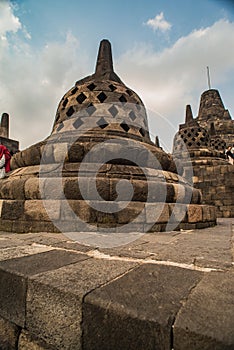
column 8, row 21
column 176, row 76
column 159, row 23
column 32, row 82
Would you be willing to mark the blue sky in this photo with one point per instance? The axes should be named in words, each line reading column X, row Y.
column 161, row 49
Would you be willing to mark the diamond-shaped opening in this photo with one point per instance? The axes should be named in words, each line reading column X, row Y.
column 138, row 106
column 81, row 98
column 77, row 123
column 70, row 111
column 196, row 134
column 102, row 123
column 193, row 139
column 132, row 115
column 91, row 109
column 198, row 143
column 61, row 125
column 129, row 92
column 73, row 91
column 192, row 130
column 142, row 132
column 102, row 97
column 122, row 98
column 112, row 87
column 185, row 131
column 125, row 126
column 190, row 144
column 91, row 86
column 113, row 110
column 185, row 140
column 65, row 102
column 189, row 134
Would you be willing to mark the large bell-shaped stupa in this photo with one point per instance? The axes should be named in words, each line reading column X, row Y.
column 99, row 171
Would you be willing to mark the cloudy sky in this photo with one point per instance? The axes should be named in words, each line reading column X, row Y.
column 161, row 49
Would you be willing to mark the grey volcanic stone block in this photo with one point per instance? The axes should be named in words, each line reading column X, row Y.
column 15, row 272
column 54, row 301
column 9, row 335
column 138, row 310
column 206, row 321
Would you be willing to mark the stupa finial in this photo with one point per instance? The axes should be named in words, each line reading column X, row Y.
column 104, row 66
column 104, row 61
column 188, row 115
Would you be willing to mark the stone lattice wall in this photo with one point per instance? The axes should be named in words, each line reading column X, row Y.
column 217, row 185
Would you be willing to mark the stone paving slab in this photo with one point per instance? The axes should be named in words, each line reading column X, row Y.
column 143, row 302
column 54, row 300
column 163, row 290
column 14, row 275
column 211, row 305
column 201, row 247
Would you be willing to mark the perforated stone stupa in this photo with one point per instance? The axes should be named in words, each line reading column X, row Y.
column 211, row 173
column 212, row 111
column 100, row 136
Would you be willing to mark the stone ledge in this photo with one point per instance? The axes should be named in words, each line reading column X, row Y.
column 138, row 310
column 14, row 274
column 139, row 296
column 211, row 305
column 54, row 299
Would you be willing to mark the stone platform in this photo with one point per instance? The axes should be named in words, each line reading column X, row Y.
column 171, row 290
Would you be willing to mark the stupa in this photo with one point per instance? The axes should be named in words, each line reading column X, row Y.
column 211, row 173
column 213, row 111
column 99, row 171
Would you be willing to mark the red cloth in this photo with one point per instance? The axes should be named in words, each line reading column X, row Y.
column 5, row 151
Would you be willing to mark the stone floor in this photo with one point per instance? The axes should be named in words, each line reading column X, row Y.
column 171, row 290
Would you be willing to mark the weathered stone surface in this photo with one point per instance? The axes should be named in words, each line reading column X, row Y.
column 132, row 212
column 211, row 305
column 14, row 275
column 178, row 213
column 23, row 226
column 194, row 213
column 37, row 210
column 136, row 311
column 12, row 209
column 60, row 152
column 31, row 188
column 157, row 212
column 76, row 152
column 22, row 250
column 51, row 188
column 71, row 188
column 9, row 335
column 57, row 293
column 26, row 342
